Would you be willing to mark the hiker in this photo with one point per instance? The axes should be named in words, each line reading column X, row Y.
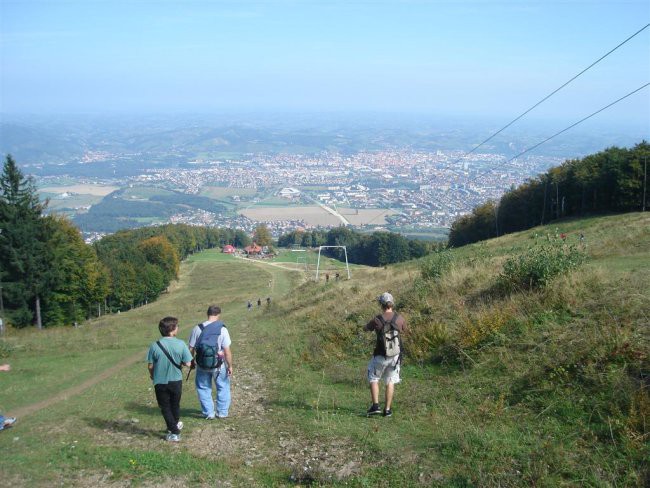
column 6, row 421
column 164, row 361
column 337, row 276
column 259, row 302
column 270, row 283
column 327, row 277
column 268, row 301
column 249, row 306
column 385, row 364
column 210, row 345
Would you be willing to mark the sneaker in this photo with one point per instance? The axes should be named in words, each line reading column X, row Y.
column 9, row 421
column 209, row 417
column 173, row 437
column 388, row 412
column 374, row 409
column 179, row 425
column 221, row 417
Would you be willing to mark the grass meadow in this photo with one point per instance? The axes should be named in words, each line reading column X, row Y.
column 526, row 388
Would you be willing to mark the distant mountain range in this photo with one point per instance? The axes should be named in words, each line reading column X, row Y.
column 168, row 140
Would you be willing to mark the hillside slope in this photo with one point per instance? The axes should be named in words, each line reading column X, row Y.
column 504, row 384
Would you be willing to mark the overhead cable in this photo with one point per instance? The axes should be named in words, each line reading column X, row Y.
column 576, row 123
column 553, row 92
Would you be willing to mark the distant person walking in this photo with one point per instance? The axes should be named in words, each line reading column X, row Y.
column 327, row 277
column 259, row 302
column 249, row 306
column 164, row 361
column 268, row 301
column 386, row 357
column 6, row 421
column 210, row 345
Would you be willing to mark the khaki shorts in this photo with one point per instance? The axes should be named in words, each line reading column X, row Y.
column 382, row 368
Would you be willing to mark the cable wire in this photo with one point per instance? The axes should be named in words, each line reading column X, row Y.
column 478, row 175
column 553, row 93
column 576, row 123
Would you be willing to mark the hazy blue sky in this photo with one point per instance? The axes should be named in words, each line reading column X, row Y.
column 467, row 58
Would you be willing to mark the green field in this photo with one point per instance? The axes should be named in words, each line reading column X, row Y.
column 221, row 192
column 143, row 192
column 536, row 388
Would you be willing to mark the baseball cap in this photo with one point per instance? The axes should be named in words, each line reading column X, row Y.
column 385, row 298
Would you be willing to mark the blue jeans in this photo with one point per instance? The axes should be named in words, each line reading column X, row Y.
column 2, row 422
column 203, row 384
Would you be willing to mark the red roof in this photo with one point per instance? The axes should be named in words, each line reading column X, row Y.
column 253, row 249
column 228, row 249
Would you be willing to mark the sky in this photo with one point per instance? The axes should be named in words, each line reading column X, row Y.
column 472, row 59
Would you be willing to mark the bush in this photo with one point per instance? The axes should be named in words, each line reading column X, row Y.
column 5, row 349
column 538, row 265
column 436, row 264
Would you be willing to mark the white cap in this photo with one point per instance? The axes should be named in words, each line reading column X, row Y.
column 385, row 298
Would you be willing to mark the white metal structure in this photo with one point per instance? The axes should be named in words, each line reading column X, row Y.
column 347, row 266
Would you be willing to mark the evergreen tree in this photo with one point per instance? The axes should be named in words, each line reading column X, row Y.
column 24, row 255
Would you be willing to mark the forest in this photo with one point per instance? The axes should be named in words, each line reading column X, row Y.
column 610, row 181
column 376, row 249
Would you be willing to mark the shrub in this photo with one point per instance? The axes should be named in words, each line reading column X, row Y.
column 474, row 331
column 436, row 264
column 5, row 349
column 538, row 265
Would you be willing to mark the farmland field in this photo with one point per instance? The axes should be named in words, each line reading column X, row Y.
column 363, row 216
column 315, row 215
column 144, row 192
column 219, row 192
column 312, row 215
column 97, row 190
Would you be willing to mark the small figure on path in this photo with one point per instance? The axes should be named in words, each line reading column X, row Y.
column 337, row 276
column 249, row 306
column 6, row 421
column 164, row 361
column 327, row 277
column 210, row 345
column 268, row 301
column 270, row 283
column 386, row 357
column 259, row 302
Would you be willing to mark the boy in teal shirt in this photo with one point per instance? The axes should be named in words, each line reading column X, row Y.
column 165, row 360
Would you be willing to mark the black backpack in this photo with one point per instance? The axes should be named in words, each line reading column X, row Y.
column 389, row 338
column 206, row 348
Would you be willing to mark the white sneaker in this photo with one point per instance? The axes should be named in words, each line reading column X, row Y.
column 209, row 417
column 179, row 425
column 9, row 421
column 173, row 437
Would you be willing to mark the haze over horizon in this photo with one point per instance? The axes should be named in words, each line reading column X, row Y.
column 468, row 60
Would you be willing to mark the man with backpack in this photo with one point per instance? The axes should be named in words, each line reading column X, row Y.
column 386, row 358
column 164, row 361
column 210, row 345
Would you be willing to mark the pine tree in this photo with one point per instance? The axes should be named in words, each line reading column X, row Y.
column 24, row 270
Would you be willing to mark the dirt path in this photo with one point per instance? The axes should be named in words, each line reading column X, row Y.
column 77, row 389
column 255, row 434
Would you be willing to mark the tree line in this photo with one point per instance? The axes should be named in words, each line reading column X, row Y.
column 376, row 249
column 49, row 276
column 609, row 181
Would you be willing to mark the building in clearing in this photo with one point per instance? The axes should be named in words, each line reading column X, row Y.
column 289, row 193
column 253, row 249
column 228, row 249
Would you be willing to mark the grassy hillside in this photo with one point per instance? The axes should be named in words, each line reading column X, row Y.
column 521, row 387
column 504, row 385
